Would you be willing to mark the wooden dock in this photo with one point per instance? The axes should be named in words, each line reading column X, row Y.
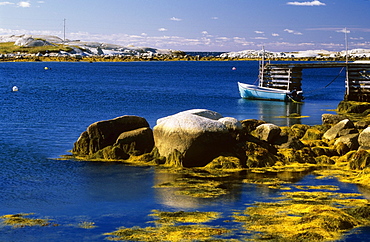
column 288, row 76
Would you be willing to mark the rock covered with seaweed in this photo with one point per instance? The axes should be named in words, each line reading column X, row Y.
column 115, row 139
column 199, row 137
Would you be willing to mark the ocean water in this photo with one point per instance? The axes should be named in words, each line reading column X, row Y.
column 45, row 117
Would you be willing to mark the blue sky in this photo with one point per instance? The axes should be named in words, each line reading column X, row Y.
column 196, row 25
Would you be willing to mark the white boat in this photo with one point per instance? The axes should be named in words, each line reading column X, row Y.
column 265, row 93
column 249, row 91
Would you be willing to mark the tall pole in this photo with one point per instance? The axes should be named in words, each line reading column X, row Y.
column 64, row 30
column 262, row 67
column 347, row 78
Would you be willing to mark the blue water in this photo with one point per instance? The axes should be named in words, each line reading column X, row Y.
column 45, row 117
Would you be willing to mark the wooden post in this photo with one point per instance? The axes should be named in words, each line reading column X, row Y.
column 358, row 82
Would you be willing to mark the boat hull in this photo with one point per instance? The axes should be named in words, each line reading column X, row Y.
column 263, row 93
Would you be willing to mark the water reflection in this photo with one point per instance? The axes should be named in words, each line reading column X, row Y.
column 245, row 186
column 279, row 113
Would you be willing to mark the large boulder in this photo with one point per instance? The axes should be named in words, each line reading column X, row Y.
column 195, row 137
column 343, row 127
column 106, row 133
column 364, row 138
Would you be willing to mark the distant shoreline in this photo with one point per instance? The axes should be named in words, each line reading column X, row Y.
column 162, row 58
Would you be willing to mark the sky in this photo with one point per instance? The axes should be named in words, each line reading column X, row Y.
column 196, row 25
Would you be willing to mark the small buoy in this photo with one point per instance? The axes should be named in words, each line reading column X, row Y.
column 15, row 89
column 234, row 68
column 46, row 68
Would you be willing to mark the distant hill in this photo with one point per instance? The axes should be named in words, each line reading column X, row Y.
column 46, row 45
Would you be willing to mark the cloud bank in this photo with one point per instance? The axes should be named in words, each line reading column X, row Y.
column 312, row 3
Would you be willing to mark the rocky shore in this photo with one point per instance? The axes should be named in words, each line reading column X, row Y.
column 204, row 138
column 210, row 151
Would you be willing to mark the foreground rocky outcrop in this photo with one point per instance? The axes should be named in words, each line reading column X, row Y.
column 204, row 138
column 115, row 139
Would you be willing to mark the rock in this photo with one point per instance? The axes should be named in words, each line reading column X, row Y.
column 251, row 124
column 232, row 124
column 331, row 118
column 304, row 155
column 362, row 124
column 353, row 107
column 299, row 130
column 136, row 142
column 338, row 129
column 312, row 134
column 322, row 150
column 193, row 138
column 257, row 156
column 267, row 132
column 364, row 137
column 350, row 140
column 110, row 153
column 288, row 140
column 224, row 163
column 359, row 159
column 105, row 133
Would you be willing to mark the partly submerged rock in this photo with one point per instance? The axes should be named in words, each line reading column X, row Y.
column 195, row 137
column 105, row 133
column 353, row 107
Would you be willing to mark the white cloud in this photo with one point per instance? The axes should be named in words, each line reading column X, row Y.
column 162, row 29
column 293, row 32
column 360, row 38
column 289, row 31
column 260, row 38
column 175, row 19
column 259, row 32
column 215, row 18
column 312, row 3
column 204, row 32
column 275, row 34
column 24, row 4
column 5, row 3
